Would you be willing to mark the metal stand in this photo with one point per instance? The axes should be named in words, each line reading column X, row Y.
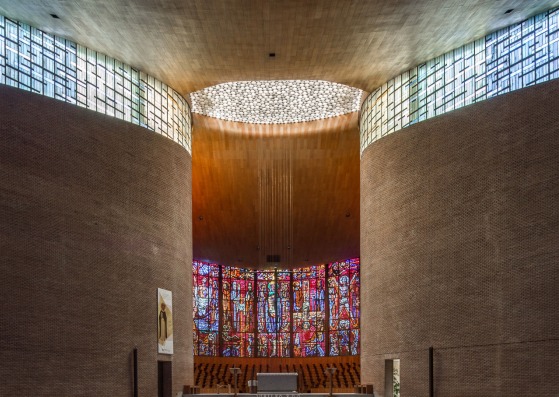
column 330, row 371
column 236, row 372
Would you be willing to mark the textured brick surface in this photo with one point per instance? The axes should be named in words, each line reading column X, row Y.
column 95, row 215
column 459, row 250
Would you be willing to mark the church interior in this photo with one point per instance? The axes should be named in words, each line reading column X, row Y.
column 279, row 198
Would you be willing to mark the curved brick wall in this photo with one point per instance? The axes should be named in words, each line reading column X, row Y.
column 459, row 250
column 95, row 215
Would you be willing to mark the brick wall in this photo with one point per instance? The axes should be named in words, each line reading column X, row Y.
column 460, row 250
column 95, row 215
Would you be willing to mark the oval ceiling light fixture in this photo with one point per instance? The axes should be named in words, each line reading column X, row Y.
column 276, row 101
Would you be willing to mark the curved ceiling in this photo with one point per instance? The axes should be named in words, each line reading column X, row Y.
column 193, row 44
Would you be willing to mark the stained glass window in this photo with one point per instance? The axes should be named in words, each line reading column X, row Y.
column 308, row 312
column 283, row 306
column 238, row 312
column 206, row 305
column 277, row 313
column 343, row 295
column 36, row 61
column 511, row 58
column 266, row 314
column 274, row 314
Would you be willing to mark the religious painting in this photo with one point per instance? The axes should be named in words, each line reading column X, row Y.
column 164, row 321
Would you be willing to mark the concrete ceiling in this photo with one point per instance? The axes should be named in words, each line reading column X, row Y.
column 287, row 190
column 193, row 44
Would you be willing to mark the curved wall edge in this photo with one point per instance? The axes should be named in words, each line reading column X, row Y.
column 36, row 61
column 459, row 227
column 515, row 57
column 95, row 216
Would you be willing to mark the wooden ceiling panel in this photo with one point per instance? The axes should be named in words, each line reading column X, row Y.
column 290, row 190
column 193, row 44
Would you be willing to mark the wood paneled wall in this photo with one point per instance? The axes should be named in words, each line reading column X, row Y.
column 290, row 190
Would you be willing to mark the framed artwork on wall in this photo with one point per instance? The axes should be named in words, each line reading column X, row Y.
column 164, row 321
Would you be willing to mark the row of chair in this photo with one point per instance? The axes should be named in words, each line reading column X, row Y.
column 312, row 375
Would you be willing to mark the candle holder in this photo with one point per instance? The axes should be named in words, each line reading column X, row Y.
column 330, row 371
column 236, row 372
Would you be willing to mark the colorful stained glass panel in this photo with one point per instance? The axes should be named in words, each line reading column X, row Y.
column 343, row 295
column 206, row 308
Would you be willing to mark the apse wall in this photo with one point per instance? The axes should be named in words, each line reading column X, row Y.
column 95, row 215
column 459, row 231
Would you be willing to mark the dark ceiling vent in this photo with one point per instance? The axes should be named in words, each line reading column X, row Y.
column 273, row 258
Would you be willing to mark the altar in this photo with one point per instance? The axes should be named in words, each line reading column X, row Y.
column 282, row 382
